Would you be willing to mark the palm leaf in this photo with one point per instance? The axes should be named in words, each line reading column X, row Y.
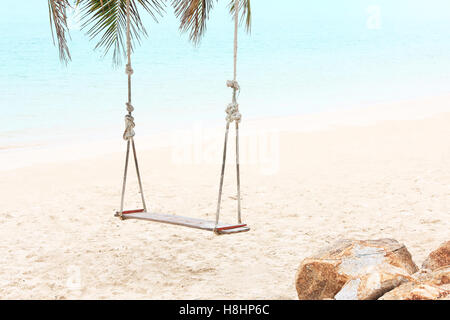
column 58, row 23
column 193, row 15
column 107, row 21
column 245, row 8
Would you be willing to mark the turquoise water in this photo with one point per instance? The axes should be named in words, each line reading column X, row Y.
column 301, row 57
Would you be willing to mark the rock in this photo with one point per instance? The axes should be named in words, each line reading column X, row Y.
column 424, row 285
column 438, row 258
column 354, row 269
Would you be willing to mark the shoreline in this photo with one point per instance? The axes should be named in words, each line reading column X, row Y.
column 89, row 144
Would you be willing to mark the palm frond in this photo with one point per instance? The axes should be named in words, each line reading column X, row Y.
column 58, row 23
column 193, row 15
column 107, row 20
column 246, row 12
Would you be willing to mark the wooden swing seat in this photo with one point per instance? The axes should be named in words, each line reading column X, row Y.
column 201, row 224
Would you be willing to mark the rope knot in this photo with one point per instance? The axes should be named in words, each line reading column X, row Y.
column 233, row 84
column 233, row 113
column 129, row 126
column 130, row 108
column 129, row 70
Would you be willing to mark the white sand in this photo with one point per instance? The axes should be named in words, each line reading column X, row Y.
column 373, row 173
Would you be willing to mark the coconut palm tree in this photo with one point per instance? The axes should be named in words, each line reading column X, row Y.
column 106, row 21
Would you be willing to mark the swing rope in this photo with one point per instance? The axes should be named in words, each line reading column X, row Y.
column 233, row 115
column 232, row 112
column 129, row 133
column 129, row 120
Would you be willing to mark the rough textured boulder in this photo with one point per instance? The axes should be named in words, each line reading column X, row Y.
column 354, row 269
column 424, row 285
column 438, row 258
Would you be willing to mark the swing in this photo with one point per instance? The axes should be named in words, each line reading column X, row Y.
column 233, row 115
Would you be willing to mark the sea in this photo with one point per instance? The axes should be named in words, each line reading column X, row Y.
column 300, row 57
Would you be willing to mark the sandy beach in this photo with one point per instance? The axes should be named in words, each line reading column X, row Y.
column 307, row 181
